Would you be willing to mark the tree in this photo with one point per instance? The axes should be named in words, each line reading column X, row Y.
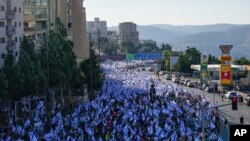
column 148, row 46
column 30, row 76
column 167, row 54
column 10, row 73
column 3, row 85
column 191, row 56
column 167, row 47
column 63, row 68
column 241, row 61
column 97, row 73
column 213, row 60
column 129, row 47
column 62, row 60
column 111, row 48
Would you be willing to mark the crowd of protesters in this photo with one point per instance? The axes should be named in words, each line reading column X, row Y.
column 124, row 111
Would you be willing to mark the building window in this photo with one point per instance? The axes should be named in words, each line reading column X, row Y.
column 69, row 25
column 2, row 55
column 15, row 39
column 1, row 8
column 15, row 24
column 20, row 10
column 1, row 23
column 20, row 39
column 15, row 9
column 16, row 53
column 2, row 40
column 20, row 24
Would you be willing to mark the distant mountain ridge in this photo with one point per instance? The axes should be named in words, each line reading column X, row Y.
column 205, row 37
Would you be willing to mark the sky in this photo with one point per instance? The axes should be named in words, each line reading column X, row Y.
column 175, row 12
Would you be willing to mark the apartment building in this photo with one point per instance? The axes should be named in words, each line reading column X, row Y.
column 128, row 33
column 38, row 14
column 35, row 21
column 99, row 28
column 11, row 27
column 112, row 35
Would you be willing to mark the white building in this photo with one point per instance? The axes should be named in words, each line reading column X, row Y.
column 11, row 27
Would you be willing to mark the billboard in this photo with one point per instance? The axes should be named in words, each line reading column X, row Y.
column 173, row 60
column 225, row 48
column 225, row 74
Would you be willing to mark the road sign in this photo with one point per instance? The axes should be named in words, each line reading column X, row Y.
column 225, row 58
column 204, row 58
column 225, row 48
column 225, row 75
column 130, row 56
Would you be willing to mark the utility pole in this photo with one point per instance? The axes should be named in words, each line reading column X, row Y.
column 91, row 65
column 203, row 123
column 47, row 51
column 98, row 34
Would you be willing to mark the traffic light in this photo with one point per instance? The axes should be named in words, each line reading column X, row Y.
column 234, row 103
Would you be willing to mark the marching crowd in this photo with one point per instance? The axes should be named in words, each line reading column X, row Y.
column 124, row 111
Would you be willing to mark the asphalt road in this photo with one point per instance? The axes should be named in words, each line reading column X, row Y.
column 233, row 116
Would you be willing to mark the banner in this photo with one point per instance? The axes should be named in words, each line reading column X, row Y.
column 173, row 60
column 149, row 56
column 225, row 75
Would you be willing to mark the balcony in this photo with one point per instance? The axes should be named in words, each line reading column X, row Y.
column 28, row 18
column 41, row 17
column 10, row 30
column 11, row 44
column 10, row 15
column 35, row 4
column 29, row 29
column 40, row 42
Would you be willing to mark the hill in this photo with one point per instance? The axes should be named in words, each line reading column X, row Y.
column 205, row 37
column 208, row 42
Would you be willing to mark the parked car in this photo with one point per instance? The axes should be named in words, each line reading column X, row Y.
column 163, row 73
column 168, row 77
column 151, row 69
column 182, row 81
column 247, row 100
column 190, row 84
column 230, row 94
column 186, row 82
column 209, row 89
column 175, row 80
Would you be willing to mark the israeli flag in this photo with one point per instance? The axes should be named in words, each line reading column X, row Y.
column 173, row 137
column 89, row 131
column 211, row 125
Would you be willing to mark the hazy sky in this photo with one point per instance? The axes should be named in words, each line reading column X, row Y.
column 177, row 12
